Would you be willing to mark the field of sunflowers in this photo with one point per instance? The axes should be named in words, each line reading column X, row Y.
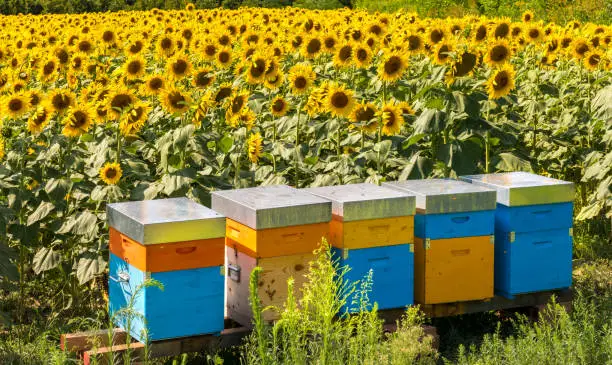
column 97, row 108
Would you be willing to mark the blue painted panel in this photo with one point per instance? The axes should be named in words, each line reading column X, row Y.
column 535, row 261
column 455, row 225
column 532, row 218
column 393, row 274
column 191, row 303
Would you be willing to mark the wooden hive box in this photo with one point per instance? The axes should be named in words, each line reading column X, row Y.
column 373, row 229
column 276, row 228
column 533, row 232
column 181, row 245
column 454, row 245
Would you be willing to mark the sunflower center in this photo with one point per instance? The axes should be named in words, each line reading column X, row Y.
column 187, row 34
column 177, row 100
column 502, row 30
column 534, row 33
column 362, row 54
column 135, row 115
column 48, row 68
column 121, row 101
column 210, row 50
column 278, row 105
column 136, row 47
column 166, row 43
column 60, row 101
column 134, row 67
column 390, row 120
column 85, row 46
column 223, row 93
column 393, row 65
column 111, row 173
column 501, row 80
column 436, row 36
column 582, row 48
column 468, row 61
column 314, row 46
column 224, row 40
column 356, row 35
column 300, row 82
column 376, row 29
column 552, row 45
column 79, row 119
column 364, row 114
column 297, row 41
column 108, row 36
column 258, row 68
column 594, row 60
column 516, row 31
column 499, row 53
column 345, row 53
column 179, row 67
column 202, row 79
column 40, row 117
column 481, row 33
column 414, row 42
column 62, row 55
column 443, row 53
column 224, row 57
column 237, row 104
column 339, row 99
column 15, row 105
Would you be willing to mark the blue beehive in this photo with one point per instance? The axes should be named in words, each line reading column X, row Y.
column 177, row 239
column 372, row 229
column 533, row 232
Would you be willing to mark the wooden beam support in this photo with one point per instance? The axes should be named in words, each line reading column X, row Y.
column 82, row 341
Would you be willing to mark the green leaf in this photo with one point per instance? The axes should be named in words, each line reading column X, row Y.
column 226, row 143
column 590, row 211
column 45, row 259
column 430, row 121
column 602, row 103
column 40, row 213
column 8, row 269
column 86, row 224
column 511, row 162
column 87, row 137
column 89, row 267
column 415, row 138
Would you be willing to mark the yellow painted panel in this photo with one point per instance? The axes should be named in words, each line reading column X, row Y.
column 372, row 233
column 277, row 241
column 454, row 270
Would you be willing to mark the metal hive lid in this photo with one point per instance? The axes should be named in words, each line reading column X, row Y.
column 165, row 220
column 435, row 196
column 271, row 206
column 366, row 201
column 524, row 188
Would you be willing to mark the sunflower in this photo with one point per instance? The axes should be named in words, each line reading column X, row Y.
column 203, row 78
column 77, row 121
column 246, row 117
column 2, row 153
column 340, row 101
column 463, row 65
column 501, row 82
column 392, row 67
column 301, row 77
column 364, row 114
column 178, row 67
column 534, row 33
column 209, row 49
column 527, row 16
column 255, row 147
column 256, row 70
column 274, row 82
column 135, row 47
column 311, row 47
column 15, row 105
column 279, row 106
column 166, row 46
column 175, row 101
column 223, row 92
column 580, row 47
column 111, row 173
column 48, row 68
column 391, row 118
column 224, row 57
column 414, row 42
column 40, row 118
column 120, row 99
column 134, row 67
column 343, row 55
column 442, row 53
column 405, row 107
column 153, row 85
column 435, row 35
column 62, row 99
column 236, row 102
column 592, row 60
column 480, row 32
column 498, row 53
column 133, row 121
column 329, row 43
column 516, row 30
column 363, row 56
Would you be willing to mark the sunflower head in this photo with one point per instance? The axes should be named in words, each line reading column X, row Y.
column 392, row 67
column 301, row 77
column 343, row 55
column 498, row 53
column 15, row 105
column 501, row 82
column 442, row 53
column 120, row 99
column 255, row 147
column 111, row 173
column 179, row 67
column 527, row 16
column 364, row 115
column 175, row 101
column 340, row 100
column 134, row 67
column 224, row 57
column 132, row 121
column 592, row 60
column 391, row 119
column 279, row 106
column 203, row 78
column 77, row 121
column 256, row 69
column 39, row 119
column 580, row 47
column 153, row 85
column 363, row 56
column 311, row 47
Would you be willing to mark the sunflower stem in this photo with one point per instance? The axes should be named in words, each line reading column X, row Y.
column 338, row 136
column 297, row 146
column 487, row 146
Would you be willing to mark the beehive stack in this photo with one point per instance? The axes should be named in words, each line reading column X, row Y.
column 181, row 245
column 454, row 244
column 373, row 229
column 533, row 232
column 276, row 228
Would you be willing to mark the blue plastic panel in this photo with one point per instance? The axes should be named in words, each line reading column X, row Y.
column 532, row 218
column 393, row 274
column 191, row 303
column 454, row 225
column 535, row 261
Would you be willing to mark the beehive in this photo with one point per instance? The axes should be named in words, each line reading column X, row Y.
column 181, row 245
column 533, row 232
column 373, row 229
column 276, row 228
column 454, row 245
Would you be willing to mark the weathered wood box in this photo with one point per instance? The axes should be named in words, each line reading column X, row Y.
column 178, row 243
column 454, row 244
column 276, row 228
column 533, row 232
column 373, row 229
